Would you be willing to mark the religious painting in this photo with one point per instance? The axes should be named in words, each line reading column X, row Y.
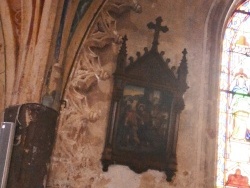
column 143, row 120
column 146, row 103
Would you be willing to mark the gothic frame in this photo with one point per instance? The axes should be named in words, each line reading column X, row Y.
column 150, row 73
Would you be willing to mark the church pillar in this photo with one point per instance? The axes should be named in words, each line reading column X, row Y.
column 33, row 144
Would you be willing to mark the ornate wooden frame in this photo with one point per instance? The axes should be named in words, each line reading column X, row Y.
column 146, row 103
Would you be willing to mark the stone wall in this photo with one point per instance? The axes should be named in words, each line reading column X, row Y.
column 69, row 49
column 83, row 122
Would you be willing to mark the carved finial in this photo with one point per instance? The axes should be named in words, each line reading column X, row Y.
column 138, row 54
column 121, row 58
column 131, row 59
column 184, row 52
column 157, row 27
column 124, row 45
column 182, row 72
column 162, row 53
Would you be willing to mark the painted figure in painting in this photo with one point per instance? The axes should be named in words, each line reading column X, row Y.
column 237, row 180
column 144, row 118
column 131, row 124
column 138, row 122
column 144, row 124
column 240, row 107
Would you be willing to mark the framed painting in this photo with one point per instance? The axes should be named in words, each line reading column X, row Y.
column 143, row 120
column 146, row 103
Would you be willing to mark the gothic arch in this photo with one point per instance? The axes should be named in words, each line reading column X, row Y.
column 79, row 36
column 218, row 16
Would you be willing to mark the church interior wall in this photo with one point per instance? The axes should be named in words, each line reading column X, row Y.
column 78, row 74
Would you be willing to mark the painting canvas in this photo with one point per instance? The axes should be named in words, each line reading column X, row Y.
column 143, row 120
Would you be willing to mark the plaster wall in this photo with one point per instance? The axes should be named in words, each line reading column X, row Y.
column 83, row 122
column 29, row 49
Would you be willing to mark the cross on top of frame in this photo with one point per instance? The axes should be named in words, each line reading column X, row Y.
column 157, row 27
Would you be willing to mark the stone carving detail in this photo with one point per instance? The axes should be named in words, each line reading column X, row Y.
column 86, row 94
column 88, row 70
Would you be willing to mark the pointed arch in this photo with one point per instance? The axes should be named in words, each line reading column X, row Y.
column 212, row 46
column 233, row 158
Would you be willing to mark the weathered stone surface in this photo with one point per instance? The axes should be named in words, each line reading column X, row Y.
column 81, row 73
column 81, row 134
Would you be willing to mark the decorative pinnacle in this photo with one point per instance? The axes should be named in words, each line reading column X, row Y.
column 157, row 27
column 124, row 47
column 184, row 52
column 121, row 59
